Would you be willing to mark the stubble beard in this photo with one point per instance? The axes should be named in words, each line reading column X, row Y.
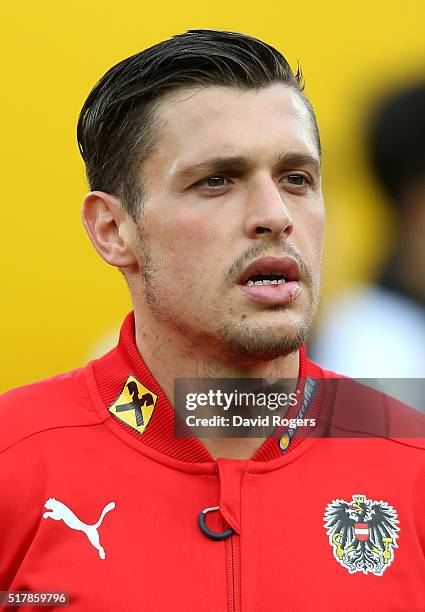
column 249, row 343
column 232, row 340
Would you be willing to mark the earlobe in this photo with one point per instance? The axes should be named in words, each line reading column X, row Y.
column 107, row 224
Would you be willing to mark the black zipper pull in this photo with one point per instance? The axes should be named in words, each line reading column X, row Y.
column 213, row 535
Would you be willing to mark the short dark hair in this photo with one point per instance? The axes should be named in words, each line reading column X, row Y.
column 395, row 139
column 115, row 124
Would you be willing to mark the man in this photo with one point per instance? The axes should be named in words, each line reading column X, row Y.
column 203, row 158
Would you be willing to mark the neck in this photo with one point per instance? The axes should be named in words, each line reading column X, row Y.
column 170, row 355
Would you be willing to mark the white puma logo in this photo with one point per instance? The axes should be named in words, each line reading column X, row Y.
column 60, row 512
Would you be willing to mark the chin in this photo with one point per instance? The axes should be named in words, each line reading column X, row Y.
column 253, row 342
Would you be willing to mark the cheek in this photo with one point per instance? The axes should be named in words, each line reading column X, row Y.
column 188, row 234
column 186, row 248
column 308, row 237
column 310, row 223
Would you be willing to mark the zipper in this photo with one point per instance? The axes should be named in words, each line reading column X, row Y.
column 233, row 573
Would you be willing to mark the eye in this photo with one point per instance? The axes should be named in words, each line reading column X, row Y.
column 213, row 182
column 298, row 180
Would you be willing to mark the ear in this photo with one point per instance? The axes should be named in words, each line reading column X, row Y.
column 109, row 228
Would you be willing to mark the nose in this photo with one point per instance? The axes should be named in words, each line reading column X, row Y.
column 268, row 211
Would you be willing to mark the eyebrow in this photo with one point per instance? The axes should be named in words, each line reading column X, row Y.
column 299, row 159
column 242, row 164
column 215, row 164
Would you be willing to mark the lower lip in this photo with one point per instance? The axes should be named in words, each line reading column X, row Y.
column 273, row 294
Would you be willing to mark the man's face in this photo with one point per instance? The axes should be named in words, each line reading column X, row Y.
column 230, row 234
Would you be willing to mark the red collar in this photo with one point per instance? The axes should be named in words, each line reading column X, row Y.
column 112, row 370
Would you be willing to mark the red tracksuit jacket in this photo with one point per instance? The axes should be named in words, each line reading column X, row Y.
column 92, row 507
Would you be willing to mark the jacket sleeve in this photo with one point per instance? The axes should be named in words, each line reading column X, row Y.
column 21, row 492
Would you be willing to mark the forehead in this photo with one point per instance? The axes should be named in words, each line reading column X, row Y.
column 201, row 122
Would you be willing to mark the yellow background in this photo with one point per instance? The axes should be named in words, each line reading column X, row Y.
column 57, row 296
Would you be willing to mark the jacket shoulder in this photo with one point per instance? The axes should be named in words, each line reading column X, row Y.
column 361, row 409
column 358, row 410
column 59, row 401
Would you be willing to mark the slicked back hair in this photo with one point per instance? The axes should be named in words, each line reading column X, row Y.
column 115, row 127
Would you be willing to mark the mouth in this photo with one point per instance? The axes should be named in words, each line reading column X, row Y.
column 271, row 280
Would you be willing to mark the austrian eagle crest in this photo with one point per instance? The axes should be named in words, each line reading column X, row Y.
column 362, row 534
